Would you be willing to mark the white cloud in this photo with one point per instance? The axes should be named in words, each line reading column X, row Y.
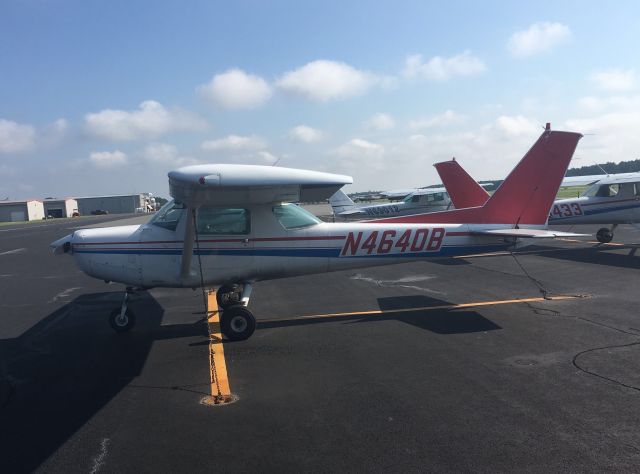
column 267, row 158
column 449, row 117
column 165, row 154
column 150, row 120
column 16, row 137
column 359, row 147
column 326, row 80
column 380, row 121
column 442, row 69
column 306, row 134
column 614, row 79
column 235, row 89
column 538, row 38
column 518, row 125
column 617, row 102
column 108, row 159
column 234, row 143
column 611, row 136
column 160, row 152
column 59, row 127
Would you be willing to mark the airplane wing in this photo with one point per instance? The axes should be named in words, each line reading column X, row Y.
column 352, row 212
column 229, row 184
column 398, row 193
column 528, row 233
column 570, row 181
column 237, row 185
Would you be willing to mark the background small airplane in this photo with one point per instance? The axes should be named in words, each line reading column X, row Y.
column 423, row 200
column 611, row 199
column 232, row 225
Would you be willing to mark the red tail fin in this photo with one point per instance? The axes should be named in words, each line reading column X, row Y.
column 463, row 190
column 527, row 194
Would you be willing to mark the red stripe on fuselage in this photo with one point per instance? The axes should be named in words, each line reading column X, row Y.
column 259, row 239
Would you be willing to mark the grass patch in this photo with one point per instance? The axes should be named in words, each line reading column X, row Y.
column 567, row 192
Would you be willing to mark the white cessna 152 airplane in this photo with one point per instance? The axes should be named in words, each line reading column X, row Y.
column 611, row 199
column 422, row 200
column 235, row 225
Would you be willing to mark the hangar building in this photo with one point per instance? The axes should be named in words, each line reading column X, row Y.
column 117, row 204
column 17, row 211
column 60, row 207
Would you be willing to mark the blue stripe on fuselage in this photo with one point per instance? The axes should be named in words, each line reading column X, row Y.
column 308, row 252
column 600, row 210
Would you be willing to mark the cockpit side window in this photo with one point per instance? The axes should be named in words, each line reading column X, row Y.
column 221, row 221
column 602, row 190
column 608, row 190
column 291, row 216
column 415, row 198
column 169, row 215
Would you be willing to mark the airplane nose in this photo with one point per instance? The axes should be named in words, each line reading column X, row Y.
column 62, row 245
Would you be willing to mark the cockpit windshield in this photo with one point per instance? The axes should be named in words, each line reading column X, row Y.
column 291, row 216
column 169, row 215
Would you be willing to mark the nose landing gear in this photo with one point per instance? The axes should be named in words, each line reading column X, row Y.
column 123, row 319
column 236, row 321
column 605, row 235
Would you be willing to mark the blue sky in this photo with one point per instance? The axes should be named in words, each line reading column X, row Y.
column 107, row 97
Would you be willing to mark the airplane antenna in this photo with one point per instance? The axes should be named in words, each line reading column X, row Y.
column 276, row 162
column 602, row 169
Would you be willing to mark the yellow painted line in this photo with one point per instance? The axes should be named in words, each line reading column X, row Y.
column 490, row 254
column 613, row 244
column 428, row 308
column 217, row 363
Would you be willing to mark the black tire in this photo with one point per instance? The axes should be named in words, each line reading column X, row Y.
column 237, row 323
column 604, row 235
column 227, row 296
column 122, row 325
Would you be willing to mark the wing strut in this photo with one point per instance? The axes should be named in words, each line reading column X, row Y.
column 187, row 248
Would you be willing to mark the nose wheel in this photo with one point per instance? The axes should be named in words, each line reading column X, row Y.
column 122, row 322
column 604, row 235
column 237, row 323
column 122, row 319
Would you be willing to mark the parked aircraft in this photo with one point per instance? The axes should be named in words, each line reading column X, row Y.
column 424, row 200
column 399, row 194
column 234, row 225
column 611, row 199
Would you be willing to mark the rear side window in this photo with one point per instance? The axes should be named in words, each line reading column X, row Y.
column 219, row 221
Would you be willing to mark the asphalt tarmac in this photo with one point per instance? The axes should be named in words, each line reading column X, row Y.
column 342, row 374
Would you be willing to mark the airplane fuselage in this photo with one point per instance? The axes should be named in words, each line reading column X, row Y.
column 619, row 209
column 150, row 255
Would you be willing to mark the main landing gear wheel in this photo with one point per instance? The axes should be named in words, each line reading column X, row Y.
column 122, row 322
column 237, row 323
column 227, row 296
column 604, row 235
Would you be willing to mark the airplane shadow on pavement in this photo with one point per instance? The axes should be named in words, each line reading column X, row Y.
column 439, row 321
column 56, row 376
column 623, row 256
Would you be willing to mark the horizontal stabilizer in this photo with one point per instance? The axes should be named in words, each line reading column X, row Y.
column 528, row 233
